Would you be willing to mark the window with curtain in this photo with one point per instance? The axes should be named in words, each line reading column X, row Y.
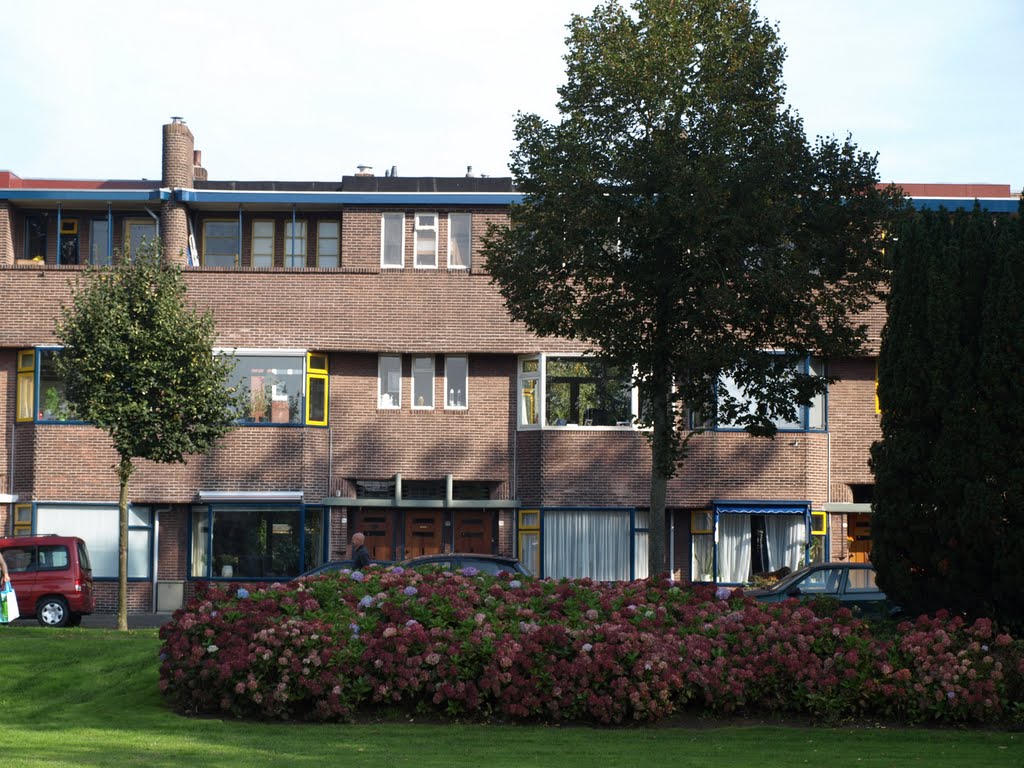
column 97, row 526
column 594, row 543
column 757, row 543
column 459, row 240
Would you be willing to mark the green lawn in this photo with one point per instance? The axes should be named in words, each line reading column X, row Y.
column 77, row 697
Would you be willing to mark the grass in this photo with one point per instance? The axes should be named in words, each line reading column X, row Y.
column 89, row 697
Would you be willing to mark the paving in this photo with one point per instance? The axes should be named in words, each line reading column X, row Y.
column 109, row 621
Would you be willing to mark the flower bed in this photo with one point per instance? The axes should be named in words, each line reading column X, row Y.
column 477, row 647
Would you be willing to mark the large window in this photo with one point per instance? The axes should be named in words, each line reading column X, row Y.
column 53, row 404
column 255, row 541
column 328, row 243
column 601, row 544
column 425, row 240
column 220, row 243
column 456, row 381
column 98, row 527
column 263, row 243
column 392, row 240
column 389, row 376
column 575, row 392
column 460, row 238
column 139, row 233
column 274, row 386
column 808, row 417
column 758, row 540
column 36, row 226
column 295, row 243
column 423, row 381
column 99, row 242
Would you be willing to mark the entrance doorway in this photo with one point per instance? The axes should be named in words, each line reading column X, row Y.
column 859, row 537
column 474, row 533
column 378, row 527
column 423, row 533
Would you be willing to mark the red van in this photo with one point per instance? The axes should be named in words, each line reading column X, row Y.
column 52, row 578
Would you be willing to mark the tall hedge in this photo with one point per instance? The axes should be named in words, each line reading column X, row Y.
column 948, row 528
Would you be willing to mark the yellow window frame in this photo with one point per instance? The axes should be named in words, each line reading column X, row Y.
column 529, row 527
column 819, row 523
column 22, row 519
column 702, row 521
column 26, row 394
column 316, row 370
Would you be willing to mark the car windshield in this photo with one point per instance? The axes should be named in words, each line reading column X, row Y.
column 787, row 581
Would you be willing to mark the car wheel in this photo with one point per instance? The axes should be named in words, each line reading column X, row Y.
column 53, row 612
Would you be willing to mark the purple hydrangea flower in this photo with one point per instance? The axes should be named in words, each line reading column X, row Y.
column 366, row 601
column 242, row 593
column 469, row 570
column 410, row 591
column 515, row 584
column 722, row 593
column 357, row 576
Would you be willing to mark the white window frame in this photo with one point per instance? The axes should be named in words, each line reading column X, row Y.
column 321, row 238
column 262, row 259
column 423, row 368
column 383, row 391
column 468, row 256
column 296, row 226
column 450, row 388
column 537, row 377
column 418, row 227
column 396, row 219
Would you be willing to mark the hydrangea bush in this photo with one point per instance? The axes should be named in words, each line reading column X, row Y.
column 472, row 646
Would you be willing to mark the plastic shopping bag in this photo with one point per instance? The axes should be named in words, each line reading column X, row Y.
column 8, row 604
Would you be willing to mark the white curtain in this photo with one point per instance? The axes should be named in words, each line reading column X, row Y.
column 733, row 548
column 786, row 535
column 97, row 527
column 702, row 563
column 587, row 542
column 641, row 544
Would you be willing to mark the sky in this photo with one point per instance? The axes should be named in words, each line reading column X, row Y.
column 310, row 89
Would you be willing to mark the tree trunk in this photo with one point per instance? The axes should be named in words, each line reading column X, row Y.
column 661, row 460
column 124, row 473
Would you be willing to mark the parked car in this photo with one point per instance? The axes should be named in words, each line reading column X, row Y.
column 52, row 578
column 454, row 561
column 340, row 565
column 853, row 584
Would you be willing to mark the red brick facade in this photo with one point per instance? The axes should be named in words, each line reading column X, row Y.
column 352, row 314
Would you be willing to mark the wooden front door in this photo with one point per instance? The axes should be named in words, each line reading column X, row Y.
column 859, row 537
column 424, row 532
column 379, row 528
column 474, row 532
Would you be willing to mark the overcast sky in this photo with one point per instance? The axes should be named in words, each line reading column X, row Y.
column 308, row 90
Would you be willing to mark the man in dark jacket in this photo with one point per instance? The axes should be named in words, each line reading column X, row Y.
column 360, row 554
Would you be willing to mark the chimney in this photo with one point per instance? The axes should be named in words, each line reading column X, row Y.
column 198, row 172
column 364, row 170
column 469, row 171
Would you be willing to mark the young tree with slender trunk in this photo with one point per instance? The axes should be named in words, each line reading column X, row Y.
column 678, row 220
column 138, row 363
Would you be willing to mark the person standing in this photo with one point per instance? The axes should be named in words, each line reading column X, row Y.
column 360, row 554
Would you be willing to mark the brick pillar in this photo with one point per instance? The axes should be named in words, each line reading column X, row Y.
column 6, row 234
column 178, row 146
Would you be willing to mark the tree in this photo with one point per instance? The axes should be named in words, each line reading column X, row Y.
column 139, row 364
column 948, row 525
column 678, row 220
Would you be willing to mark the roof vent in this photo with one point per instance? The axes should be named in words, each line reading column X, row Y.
column 177, row 120
column 364, row 170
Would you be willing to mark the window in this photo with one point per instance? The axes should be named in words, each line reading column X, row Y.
column 270, row 387
column 220, row 243
column 756, row 540
column 529, row 392
column 53, row 405
column 459, row 240
column 255, row 541
column 328, row 244
column 594, row 543
column 819, row 537
column 529, row 540
column 295, row 243
column 263, row 243
column 99, row 243
column 389, row 373
column 98, row 527
column 456, row 381
column 810, row 417
column 316, row 388
column 425, row 240
column 392, row 240
column 587, row 393
column 26, row 397
column 68, row 253
column 22, row 519
column 139, row 234
column 36, row 226
column 423, row 381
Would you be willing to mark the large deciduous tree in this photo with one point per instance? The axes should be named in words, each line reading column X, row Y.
column 139, row 364
column 678, row 220
column 948, row 524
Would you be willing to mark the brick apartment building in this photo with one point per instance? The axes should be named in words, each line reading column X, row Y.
column 387, row 391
